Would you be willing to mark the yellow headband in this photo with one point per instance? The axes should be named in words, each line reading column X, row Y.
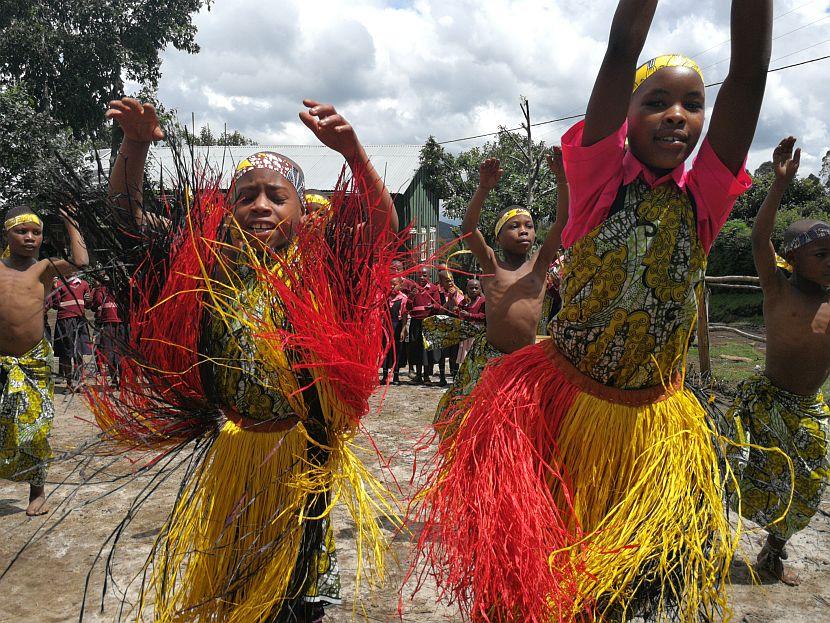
column 312, row 198
column 649, row 68
column 508, row 215
column 20, row 219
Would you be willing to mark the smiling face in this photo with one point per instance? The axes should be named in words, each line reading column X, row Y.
column 517, row 235
column 446, row 280
column 812, row 262
column 665, row 118
column 267, row 208
column 24, row 239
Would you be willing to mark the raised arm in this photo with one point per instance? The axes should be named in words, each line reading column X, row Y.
column 553, row 240
column 141, row 127
column 608, row 106
column 786, row 166
column 738, row 105
column 335, row 132
column 78, row 256
column 489, row 175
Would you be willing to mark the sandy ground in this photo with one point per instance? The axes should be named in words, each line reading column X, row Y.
column 46, row 582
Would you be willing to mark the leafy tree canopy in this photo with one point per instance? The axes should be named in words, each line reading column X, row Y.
column 30, row 142
column 71, row 56
column 526, row 182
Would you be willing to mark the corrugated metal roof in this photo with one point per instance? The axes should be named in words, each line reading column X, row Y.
column 397, row 164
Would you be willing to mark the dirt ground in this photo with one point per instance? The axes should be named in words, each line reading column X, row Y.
column 46, row 582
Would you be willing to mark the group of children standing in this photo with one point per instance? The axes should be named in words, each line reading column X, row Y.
column 411, row 303
column 580, row 478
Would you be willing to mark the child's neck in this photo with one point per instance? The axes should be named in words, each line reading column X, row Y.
column 514, row 260
column 19, row 262
column 811, row 288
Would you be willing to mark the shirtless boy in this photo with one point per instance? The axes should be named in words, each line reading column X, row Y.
column 514, row 284
column 26, row 409
column 784, row 407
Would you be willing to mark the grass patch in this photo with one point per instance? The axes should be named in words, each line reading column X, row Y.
column 731, row 307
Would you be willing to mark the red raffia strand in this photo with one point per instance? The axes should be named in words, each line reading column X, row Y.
column 161, row 393
column 334, row 300
column 490, row 520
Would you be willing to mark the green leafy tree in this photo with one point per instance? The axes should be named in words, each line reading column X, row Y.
column 72, row 56
column 31, row 146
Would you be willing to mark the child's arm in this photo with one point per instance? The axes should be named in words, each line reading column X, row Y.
column 79, row 258
column 738, row 105
column 608, row 106
column 141, row 127
column 335, row 132
column 550, row 247
column 489, row 175
column 786, row 166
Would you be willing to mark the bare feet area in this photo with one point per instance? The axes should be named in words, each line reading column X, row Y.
column 37, row 502
column 46, row 583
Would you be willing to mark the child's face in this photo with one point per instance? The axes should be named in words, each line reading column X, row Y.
column 267, row 208
column 446, row 280
column 473, row 289
column 422, row 277
column 812, row 262
column 25, row 239
column 665, row 118
column 518, row 235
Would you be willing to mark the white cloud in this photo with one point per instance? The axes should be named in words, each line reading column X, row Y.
column 400, row 71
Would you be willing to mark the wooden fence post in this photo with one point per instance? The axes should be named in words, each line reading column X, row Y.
column 703, row 335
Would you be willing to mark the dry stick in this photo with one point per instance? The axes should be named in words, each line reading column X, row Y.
column 750, row 336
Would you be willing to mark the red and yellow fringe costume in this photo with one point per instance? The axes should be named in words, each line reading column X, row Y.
column 273, row 408
column 586, row 482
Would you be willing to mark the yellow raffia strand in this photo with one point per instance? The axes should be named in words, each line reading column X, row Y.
column 229, row 548
column 649, row 499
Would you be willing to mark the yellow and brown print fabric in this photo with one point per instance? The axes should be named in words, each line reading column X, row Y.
column 800, row 427
column 26, row 414
column 629, row 290
column 257, row 385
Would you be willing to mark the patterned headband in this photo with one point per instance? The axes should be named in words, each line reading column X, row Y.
column 22, row 218
column 816, row 232
column 649, row 68
column 508, row 215
column 273, row 161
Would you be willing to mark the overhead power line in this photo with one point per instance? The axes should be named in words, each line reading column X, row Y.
column 569, row 117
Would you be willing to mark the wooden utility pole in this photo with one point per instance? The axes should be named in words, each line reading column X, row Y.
column 703, row 335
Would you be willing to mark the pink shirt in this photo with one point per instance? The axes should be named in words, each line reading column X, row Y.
column 596, row 173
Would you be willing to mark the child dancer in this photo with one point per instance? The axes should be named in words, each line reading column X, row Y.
column 514, row 283
column 584, row 483
column 26, row 407
column 261, row 342
column 784, row 407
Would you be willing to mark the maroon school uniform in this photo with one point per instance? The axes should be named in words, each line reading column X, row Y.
column 474, row 309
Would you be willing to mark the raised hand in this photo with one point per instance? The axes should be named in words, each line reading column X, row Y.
column 555, row 164
column 489, row 174
column 785, row 161
column 331, row 128
column 138, row 121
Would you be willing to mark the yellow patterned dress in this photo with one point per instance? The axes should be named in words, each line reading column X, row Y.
column 800, row 427
column 26, row 414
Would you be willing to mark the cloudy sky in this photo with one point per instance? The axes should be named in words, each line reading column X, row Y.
column 401, row 71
